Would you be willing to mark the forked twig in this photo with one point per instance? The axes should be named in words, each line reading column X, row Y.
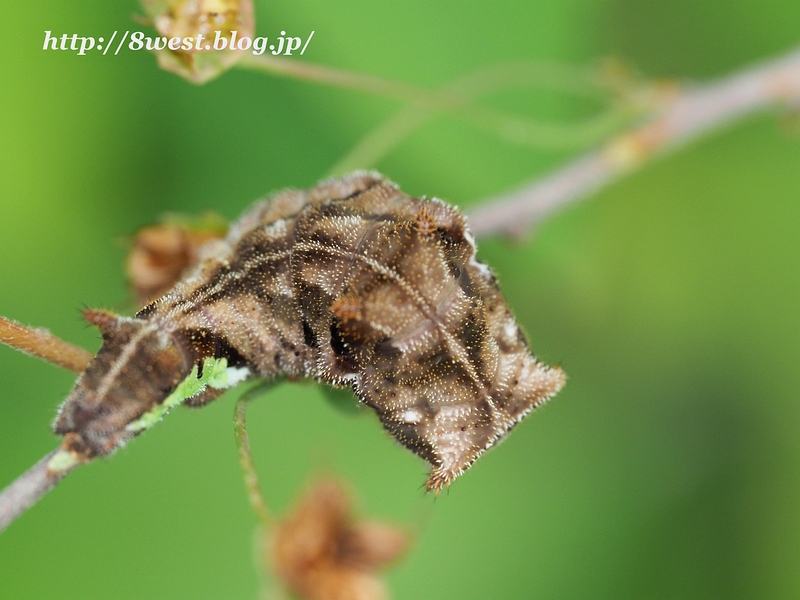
column 691, row 114
column 457, row 98
column 564, row 79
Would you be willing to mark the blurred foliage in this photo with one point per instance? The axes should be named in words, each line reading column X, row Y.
column 667, row 468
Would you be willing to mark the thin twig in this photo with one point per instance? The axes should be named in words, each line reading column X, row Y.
column 529, row 74
column 245, row 456
column 513, row 128
column 306, row 71
column 693, row 113
column 40, row 342
column 35, row 483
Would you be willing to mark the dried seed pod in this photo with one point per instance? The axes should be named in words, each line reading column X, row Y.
column 188, row 19
column 351, row 282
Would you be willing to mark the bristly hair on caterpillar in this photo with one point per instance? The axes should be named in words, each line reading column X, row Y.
column 351, row 282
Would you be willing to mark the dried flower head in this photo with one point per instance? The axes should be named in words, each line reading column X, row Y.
column 321, row 552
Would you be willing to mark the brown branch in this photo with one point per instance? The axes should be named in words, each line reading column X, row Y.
column 40, row 342
column 691, row 114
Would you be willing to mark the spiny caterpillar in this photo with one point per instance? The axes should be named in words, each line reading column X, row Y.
column 353, row 283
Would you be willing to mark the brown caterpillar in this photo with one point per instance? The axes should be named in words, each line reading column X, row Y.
column 353, row 283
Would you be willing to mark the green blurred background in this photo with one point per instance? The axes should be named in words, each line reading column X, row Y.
column 668, row 468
